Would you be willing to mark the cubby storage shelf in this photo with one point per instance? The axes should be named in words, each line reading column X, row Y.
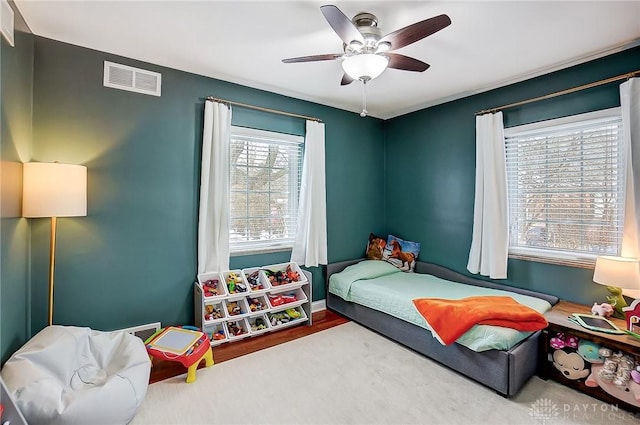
column 214, row 314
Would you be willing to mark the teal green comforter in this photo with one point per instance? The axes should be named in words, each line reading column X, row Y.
column 383, row 287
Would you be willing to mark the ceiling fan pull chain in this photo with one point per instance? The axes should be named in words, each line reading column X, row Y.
column 364, row 99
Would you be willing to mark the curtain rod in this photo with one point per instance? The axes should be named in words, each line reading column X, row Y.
column 560, row 93
column 260, row 108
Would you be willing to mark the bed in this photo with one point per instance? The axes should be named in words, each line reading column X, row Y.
column 504, row 369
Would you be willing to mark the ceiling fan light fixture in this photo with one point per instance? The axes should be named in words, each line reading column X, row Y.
column 383, row 46
column 365, row 66
column 356, row 46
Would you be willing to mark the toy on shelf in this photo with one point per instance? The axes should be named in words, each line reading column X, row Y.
column 283, row 317
column 210, row 288
column 604, row 309
column 571, row 365
column 590, row 351
column 235, row 329
column 280, row 277
column 561, row 341
column 258, row 324
column 635, row 375
column 235, row 284
column 212, row 313
column 255, row 304
column 280, row 299
column 293, row 313
column 218, row 336
column 254, row 281
column 617, row 376
column 234, row 309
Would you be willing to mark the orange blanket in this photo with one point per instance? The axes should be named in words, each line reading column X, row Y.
column 449, row 319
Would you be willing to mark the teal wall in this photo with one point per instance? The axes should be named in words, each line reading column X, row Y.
column 430, row 162
column 16, row 74
column 132, row 260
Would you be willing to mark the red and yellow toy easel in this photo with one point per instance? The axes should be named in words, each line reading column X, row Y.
column 185, row 344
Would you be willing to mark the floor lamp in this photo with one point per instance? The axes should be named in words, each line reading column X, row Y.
column 51, row 189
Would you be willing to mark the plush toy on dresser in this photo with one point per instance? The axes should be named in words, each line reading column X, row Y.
column 604, row 309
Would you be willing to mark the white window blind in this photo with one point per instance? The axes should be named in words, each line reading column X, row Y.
column 566, row 181
column 265, row 173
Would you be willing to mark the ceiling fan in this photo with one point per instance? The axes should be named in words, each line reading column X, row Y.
column 367, row 53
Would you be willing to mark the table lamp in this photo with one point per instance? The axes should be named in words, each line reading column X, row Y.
column 617, row 273
column 53, row 190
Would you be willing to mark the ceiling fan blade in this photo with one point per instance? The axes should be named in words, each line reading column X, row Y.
column 342, row 25
column 406, row 63
column 313, row 58
column 418, row 31
column 346, row 80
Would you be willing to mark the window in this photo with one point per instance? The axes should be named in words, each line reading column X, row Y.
column 566, row 186
column 265, row 173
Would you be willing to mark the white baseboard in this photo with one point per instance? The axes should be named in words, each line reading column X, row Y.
column 318, row 306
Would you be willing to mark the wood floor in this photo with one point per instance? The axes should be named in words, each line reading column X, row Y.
column 322, row 320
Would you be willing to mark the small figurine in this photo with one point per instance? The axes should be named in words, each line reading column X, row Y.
column 236, row 330
column 254, row 281
column 218, row 336
column 210, row 288
column 258, row 325
column 255, row 304
column 234, row 309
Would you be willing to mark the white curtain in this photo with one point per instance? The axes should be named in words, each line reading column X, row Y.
column 490, row 240
column 630, row 103
column 213, row 220
column 310, row 245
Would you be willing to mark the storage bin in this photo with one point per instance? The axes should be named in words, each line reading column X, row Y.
column 279, row 275
column 283, row 318
column 237, row 328
column 217, row 333
column 236, row 307
column 212, row 285
column 256, row 280
column 257, row 303
column 285, row 297
column 214, row 311
column 259, row 324
column 235, row 282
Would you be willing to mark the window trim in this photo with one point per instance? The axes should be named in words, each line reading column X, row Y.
column 550, row 256
column 267, row 246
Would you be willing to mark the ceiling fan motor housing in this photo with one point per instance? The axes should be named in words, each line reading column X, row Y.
column 367, row 25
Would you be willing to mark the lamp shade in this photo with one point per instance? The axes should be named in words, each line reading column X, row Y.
column 54, row 190
column 365, row 66
column 618, row 272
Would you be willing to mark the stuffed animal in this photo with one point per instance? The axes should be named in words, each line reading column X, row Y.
column 571, row 365
column 589, row 351
column 604, row 309
column 629, row 393
column 561, row 340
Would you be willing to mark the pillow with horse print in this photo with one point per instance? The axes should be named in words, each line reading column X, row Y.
column 375, row 247
column 402, row 254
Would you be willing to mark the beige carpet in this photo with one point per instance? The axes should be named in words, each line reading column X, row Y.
column 350, row 375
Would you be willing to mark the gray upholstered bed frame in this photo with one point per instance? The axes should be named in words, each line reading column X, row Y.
column 504, row 371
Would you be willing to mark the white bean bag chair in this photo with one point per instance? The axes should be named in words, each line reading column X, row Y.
column 71, row 375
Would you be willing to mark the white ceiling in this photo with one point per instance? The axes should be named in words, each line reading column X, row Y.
column 489, row 43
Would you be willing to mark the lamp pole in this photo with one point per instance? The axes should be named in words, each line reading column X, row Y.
column 52, row 265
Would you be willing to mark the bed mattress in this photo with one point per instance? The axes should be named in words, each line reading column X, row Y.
column 383, row 287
